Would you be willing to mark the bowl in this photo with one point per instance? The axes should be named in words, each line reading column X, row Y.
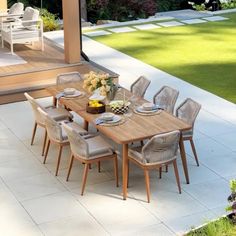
column 96, row 109
column 119, row 106
column 107, row 116
column 69, row 91
column 148, row 106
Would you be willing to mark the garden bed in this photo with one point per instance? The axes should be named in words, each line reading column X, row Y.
column 220, row 227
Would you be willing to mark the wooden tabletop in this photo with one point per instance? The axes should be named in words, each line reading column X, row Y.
column 135, row 128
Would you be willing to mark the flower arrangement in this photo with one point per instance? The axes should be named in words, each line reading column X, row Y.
column 101, row 81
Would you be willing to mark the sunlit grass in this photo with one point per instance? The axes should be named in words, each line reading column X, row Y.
column 221, row 227
column 202, row 54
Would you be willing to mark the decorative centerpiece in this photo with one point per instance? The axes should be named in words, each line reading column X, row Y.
column 101, row 82
column 119, row 106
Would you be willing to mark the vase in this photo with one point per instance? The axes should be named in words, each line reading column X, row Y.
column 112, row 93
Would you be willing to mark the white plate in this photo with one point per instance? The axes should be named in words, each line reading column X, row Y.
column 97, row 97
column 141, row 110
column 115, row 119
column 76, row 94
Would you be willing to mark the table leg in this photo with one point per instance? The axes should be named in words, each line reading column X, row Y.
column 54, row 101
column 183, row 157
column 125, row 170
column 86, row 124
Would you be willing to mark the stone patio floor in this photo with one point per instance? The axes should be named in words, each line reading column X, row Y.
column 35, row 202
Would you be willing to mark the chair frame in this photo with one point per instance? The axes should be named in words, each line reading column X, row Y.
column 36, row 124
column 147, row 168
column 88, row 162
column 190, row 138
column 60, row 145
column 174, row 100
column 9, row 36
column 136, row 81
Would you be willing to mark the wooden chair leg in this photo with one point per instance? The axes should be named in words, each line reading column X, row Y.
column 44, row 142
column 99, row 166
column 58, row 160
column 70, row 167
column 46, row 152
column 86, row 167
column 116, row 171
column 160, row 172
column 177, row 175
column 166, row 168
column 90, row 166
column 128, row 173
column 194, row 151
column 34, row 132
column 146, row 173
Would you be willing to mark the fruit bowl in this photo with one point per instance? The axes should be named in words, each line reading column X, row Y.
column 119, row 106
column 95, row 107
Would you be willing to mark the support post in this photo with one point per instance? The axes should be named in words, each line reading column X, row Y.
column 71, row 21
column 3, row 4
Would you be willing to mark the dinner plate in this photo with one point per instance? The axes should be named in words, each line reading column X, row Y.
column 141, row 110
column 76, row 94
column 115, row 119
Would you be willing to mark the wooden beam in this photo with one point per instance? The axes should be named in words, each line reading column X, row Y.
column 3, row 4
column 71, row 21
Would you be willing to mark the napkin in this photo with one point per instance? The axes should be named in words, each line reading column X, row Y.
column 99, row 121
column 59, row 95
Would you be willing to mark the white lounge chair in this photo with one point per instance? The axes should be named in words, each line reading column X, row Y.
column 7, row 15
column 27, row 30
column 15, row 10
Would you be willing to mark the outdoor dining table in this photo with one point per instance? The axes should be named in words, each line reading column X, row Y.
column 135, row 128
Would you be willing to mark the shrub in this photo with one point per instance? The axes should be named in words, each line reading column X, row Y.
column 50, row 21
column 120, row 10
column 169, row 5
column 228, row 4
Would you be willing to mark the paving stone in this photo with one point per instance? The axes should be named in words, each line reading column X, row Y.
column 146, row 27
column 193, row 21
column 122, row 30
column 215, row 18
column 170, row 23
column 97, row 33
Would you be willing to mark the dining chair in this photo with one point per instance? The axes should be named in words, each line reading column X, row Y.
column 55, row 113
column 70, row 77
column 139, row 87
column 188, row 111
column 166, row 98
column 56, row 135
column 159, row 151
column 88, row 151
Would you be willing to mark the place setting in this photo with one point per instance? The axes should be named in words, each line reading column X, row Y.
column 148, row 109
column 69, row 93
column 109, row 119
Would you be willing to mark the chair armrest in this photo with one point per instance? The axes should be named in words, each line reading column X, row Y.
column 2, row 11
column 30, row 21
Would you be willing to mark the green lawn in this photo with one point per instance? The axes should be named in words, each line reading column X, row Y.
column 202, row 54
